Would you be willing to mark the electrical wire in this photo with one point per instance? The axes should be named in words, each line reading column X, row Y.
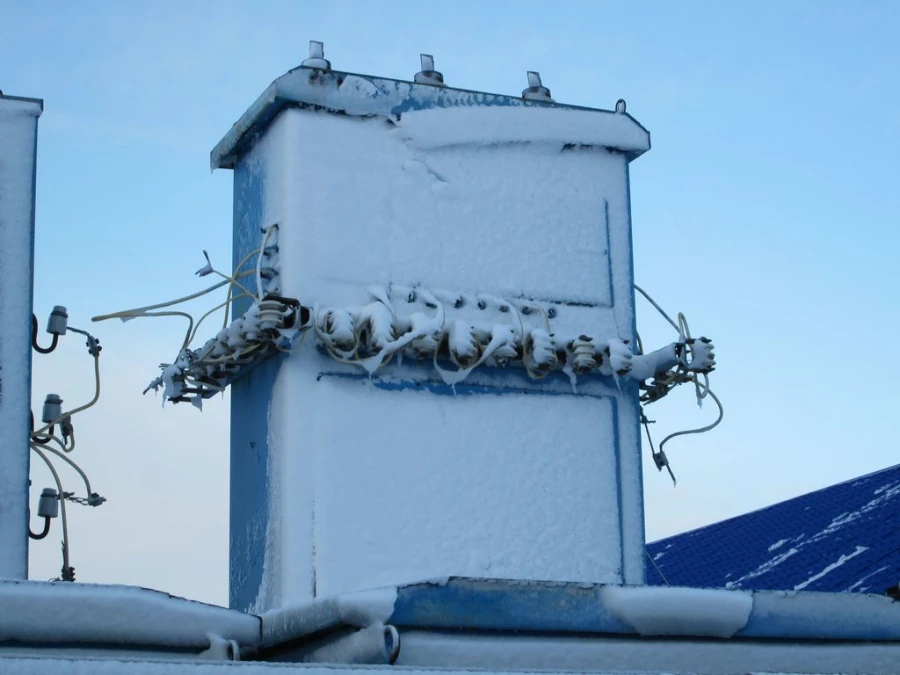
column 700, row 430
column 262, row 252
column 83, row 407
column 201, row 360
column 43, row 533
column 225, row 304
column 37, row 347
column 68, row 573
column 658, row 308
column 67, row 460
column 234, row 281
column 138, row 311
column 679, row 376
column 656, row 567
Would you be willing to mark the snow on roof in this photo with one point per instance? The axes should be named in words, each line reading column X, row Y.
column 838, row 539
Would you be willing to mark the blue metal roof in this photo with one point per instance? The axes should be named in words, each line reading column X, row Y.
column 844, row 538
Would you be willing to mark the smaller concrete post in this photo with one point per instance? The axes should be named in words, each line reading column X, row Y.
column 18, row 146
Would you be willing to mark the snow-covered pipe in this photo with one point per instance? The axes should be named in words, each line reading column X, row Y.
column 375, row 644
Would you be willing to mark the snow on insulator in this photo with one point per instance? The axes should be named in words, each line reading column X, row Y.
column 376, row 326
column 317, row 56
column 428, row 75
column 426, row 345
column 338, row 330
column 584, row 358
column 464, row 349
column 536, row 91
column 619, row 356
column 233, row 338
column 502, row 347
column 540, row 352
column 703, row 358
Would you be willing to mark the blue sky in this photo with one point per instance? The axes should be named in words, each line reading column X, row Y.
column 767, row 211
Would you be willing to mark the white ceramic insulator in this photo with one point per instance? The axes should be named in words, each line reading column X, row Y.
column 584, row 358
column 543, row 350
column 381, row 325
column 464, row 350
column 339, row 329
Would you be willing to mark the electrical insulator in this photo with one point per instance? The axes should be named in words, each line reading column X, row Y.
column 536, row 90
column 58, row 321
column 427, row 344
column 703, row 357
column 428, row 75
column 584, row 358
column 48, row 506
column 65, row 426
column 233, row 338
column 338, row 327
column 377, row 326
column 506, row 350
column 540, row 351
column 52, row 410
column 271, row 315
column 620, row 356
column 317, row 56
column 464, row 350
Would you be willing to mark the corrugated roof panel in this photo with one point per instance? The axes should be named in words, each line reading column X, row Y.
column 844, row 538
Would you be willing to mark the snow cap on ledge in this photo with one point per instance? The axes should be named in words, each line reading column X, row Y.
column 477, row 116
column 48, row 612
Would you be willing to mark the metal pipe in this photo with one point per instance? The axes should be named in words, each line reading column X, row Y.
column 375, row 644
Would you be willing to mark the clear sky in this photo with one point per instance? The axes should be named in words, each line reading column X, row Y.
column 767, row 211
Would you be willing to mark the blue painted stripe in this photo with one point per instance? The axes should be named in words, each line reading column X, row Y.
column 440, row 388
column 250, row 396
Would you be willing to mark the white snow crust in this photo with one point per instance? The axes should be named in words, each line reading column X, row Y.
column 373, row 488
column 461, row 218
column 442, row 127
column 37, row 611
column 654, row 610
column 481, row 486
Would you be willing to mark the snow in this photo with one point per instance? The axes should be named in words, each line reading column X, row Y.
column 460, row 218
column 859, row 584
column 373, row 488
column 880, row 496
column 444, row 127
column 358, row 95
column 651, row 610
column 763, row 568
column 18, row 137
column 365, row 608
column 387, row 506
column 830, row 568
column 36, row 611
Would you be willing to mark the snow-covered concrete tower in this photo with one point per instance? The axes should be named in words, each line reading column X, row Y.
column 18, row 151
column 436, row 234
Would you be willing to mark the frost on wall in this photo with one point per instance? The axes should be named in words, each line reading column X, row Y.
column 383, row 481
column 18, row 138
